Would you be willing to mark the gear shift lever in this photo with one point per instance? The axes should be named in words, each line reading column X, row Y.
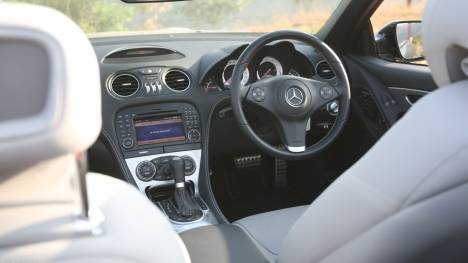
column 183, row 202
column 177, row 167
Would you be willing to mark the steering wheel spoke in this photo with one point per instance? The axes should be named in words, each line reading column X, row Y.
column 293, row 133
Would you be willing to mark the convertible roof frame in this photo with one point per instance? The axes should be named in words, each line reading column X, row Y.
column 342, row 28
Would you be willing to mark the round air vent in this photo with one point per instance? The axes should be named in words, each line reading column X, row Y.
column 124, row 85
column 323, row 70
column 176, row 80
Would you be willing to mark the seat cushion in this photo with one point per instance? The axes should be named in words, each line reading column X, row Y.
column 126, row 226
column 222, row 244
column 269, row 229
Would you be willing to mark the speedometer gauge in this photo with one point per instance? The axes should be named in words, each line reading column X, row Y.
column 269, row 67
column 227, row 74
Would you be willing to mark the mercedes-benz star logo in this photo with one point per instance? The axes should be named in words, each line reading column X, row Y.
column 294, row 96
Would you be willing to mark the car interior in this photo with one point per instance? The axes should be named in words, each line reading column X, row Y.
column 343, row 145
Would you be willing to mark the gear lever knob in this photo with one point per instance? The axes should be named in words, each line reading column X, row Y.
column 177, row 167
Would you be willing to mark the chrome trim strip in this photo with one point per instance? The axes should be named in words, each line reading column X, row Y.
column 412, row 90
column 111, row 79
column 298, row 149
column 163, row 78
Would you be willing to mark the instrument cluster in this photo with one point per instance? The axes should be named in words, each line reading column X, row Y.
column 274, row 60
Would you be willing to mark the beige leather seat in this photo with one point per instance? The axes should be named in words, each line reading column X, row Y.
column 50, row 109
column 404, row 201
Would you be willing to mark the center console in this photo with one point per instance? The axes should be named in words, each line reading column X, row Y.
column 162, row 149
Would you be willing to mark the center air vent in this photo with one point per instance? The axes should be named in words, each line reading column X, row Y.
column 177, row 80
column 124, row 85
column 323, row 70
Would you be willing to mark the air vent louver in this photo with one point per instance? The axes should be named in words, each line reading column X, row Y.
column 177, row 80
column 124, row 85
column 323, row 70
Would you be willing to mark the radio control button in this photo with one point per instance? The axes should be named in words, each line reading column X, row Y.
column 194, row 135
column 127, row 143
column 145, row 171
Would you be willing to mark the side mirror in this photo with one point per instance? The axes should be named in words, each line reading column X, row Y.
column 400, row 41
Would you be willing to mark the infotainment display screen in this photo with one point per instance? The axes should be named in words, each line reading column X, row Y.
column 159, row 130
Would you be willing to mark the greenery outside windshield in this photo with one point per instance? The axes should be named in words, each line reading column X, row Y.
column 98, row 16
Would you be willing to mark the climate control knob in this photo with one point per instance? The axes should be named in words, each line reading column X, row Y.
column 189, row 165
column 194, row 135
column 145, row 171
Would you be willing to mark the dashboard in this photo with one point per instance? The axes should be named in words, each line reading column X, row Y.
column 162, row 93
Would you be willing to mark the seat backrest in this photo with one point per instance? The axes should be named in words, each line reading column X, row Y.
column 50, row 110
column 405, row 200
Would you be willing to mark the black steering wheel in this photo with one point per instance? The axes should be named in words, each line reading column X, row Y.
column 291, row 99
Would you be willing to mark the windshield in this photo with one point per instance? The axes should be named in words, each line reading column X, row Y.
column 97, row 16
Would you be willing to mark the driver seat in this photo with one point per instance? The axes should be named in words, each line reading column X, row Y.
column 404, row 201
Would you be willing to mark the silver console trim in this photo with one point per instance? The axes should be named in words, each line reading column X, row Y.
column 208, row 217
column 132, row 164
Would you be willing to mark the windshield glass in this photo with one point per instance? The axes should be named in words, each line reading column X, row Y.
column 97, row 16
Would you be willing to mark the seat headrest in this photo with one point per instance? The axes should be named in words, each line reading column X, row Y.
column 445, row 39
column 50, row 100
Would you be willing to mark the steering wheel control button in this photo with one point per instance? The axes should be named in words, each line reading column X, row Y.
column 333, row 108
column 326, row 92
column 258, row 94
column 127, row 143
column 145, row 171
column 295, row 96
column 194, row 135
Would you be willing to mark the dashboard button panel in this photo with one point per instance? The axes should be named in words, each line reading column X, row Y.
column 129, row 120
column 159, row 169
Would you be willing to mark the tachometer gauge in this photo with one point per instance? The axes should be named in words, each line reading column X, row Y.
column 269, row 67
column 294, row 72
column 227, row 74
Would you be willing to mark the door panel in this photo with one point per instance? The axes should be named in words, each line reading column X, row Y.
column 384, row 91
